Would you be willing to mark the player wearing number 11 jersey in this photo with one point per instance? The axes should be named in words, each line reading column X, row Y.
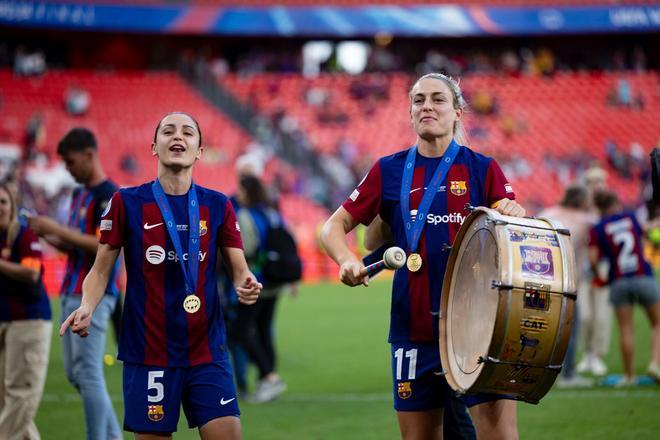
column 618, row 238
column 172, row 341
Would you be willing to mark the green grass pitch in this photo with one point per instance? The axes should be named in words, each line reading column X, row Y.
column 334, row 356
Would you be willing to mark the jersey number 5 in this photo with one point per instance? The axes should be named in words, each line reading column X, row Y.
column 153, row 385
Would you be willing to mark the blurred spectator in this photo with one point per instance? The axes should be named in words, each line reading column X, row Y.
column 35, row 133
column 27, row 64
column 316, row 96
column 219, row 67
column 510, row 63
column 616, row 158
column 545, row 62
column 624, row 93
column 129, row 164
column 574, row 213
column 511, row 125
column 77, row 101
column 484, row 103
column 594, row 308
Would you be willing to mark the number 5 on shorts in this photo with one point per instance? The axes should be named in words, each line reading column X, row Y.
column 153, row 385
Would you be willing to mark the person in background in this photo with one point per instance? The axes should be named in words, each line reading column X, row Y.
column 594, row 308
column 618, row 238
column 83, row 358
column 25, row 324
column 574, row 213
column 255, row 324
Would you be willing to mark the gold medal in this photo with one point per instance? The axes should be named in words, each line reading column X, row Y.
column 191, row 304
column 414, row 262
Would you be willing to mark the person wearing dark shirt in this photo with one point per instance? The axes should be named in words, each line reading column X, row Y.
column 83, row 359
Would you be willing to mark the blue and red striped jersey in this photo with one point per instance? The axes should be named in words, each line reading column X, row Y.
column 25, row 250
column 619, row 239
column 472, row 178
column 156, row 330
column 87, row 205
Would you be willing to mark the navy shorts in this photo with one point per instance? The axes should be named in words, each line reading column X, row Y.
column 154, row 395
column 418, row 382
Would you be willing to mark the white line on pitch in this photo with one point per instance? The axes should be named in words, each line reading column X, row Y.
column 379, row 397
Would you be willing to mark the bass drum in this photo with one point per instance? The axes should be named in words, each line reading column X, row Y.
column 507, row 305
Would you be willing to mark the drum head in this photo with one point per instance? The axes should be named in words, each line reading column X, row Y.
column 472, row 305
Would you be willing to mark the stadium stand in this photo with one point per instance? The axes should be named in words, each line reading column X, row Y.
column 124, row 109
column 545, row 113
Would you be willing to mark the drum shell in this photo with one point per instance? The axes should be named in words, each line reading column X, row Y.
column 533, row 317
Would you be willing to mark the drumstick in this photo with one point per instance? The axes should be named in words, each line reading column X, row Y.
column 393, row 258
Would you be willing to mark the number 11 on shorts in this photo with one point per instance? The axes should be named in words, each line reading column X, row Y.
column 411, row 355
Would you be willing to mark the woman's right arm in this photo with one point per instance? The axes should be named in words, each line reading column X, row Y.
column 93, row 288
column 333, row 237
column 25, row 271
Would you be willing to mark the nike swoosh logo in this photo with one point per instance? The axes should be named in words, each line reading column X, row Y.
column 147, row 226
column 223, row 402
column 440, row 189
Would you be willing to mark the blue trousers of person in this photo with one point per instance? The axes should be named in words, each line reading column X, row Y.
column 83, row 365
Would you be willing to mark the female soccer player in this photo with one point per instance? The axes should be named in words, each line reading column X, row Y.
column 172, row 341
column 421, row 193
column 25, row 324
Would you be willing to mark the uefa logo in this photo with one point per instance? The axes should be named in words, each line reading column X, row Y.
column 155, row 254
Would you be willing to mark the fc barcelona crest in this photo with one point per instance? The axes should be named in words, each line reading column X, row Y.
column 155, row 413
column 458, row 187
column 404, row 390
column 203, row 229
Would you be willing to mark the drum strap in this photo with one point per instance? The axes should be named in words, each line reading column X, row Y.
column 413, row 228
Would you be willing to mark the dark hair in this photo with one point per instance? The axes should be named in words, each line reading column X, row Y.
column 255, row 192
column 77, row 139
column 575, row 196
column 605, row 200
column 179, row 113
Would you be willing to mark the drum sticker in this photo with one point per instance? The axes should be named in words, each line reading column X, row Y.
column 537, row 296
column 537, row 262
column 534, row 324
column 516, row 236
column 519, row 236
column 404, row 390
column 530, row 343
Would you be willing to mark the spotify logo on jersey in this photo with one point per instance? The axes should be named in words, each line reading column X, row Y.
column 155, row 254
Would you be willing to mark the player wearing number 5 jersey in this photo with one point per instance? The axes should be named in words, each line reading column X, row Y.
column 618, row 238
column 172, row 340
column 421, row 195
